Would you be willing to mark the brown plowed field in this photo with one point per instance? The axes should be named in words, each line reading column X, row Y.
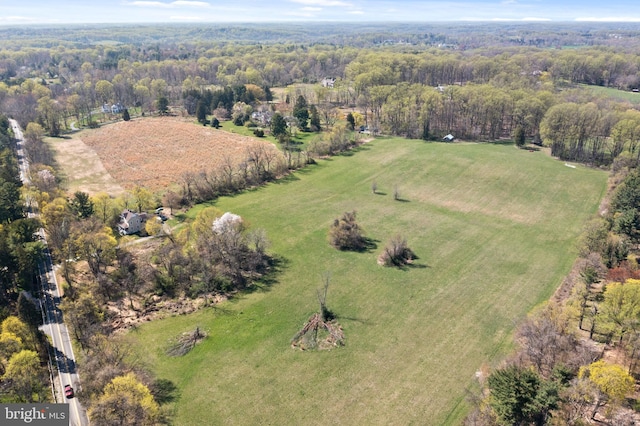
column 155, row 152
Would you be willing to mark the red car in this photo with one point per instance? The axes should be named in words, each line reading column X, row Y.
column 68, row 391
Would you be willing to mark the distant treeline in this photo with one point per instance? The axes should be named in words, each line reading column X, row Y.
column 404, row 87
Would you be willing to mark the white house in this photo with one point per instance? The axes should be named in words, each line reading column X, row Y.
column 328, row 82
column 116, row 108
column 131, row 222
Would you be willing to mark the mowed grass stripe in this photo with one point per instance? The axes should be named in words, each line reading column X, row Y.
column 494, row 228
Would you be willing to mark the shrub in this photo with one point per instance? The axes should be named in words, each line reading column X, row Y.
column 259, row 133
column 346, row 234
column 396, row 253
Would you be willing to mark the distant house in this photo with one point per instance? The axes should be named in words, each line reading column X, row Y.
column 328, row 82
column 448, row 138
column 116, row 108
column 131, row 222
column 262, row 117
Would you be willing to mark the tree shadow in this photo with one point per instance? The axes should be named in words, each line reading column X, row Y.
column 354, row 319
column 308, row 168
column 291, row 177
column 275, row 266
column 65, row 364
column 368, row 245
column 164, row 391
column 402, row 200
column 502, row 142
column 411, row 265
column 380, row 193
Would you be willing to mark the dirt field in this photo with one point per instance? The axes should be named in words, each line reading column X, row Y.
column 82, row 167
column 155, row 152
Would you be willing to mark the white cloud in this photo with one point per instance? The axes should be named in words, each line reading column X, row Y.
column 356, row 12
column 496, row 19
column 300, row 14
column 175, row 4
column 16, row 19
column 311, row 9
column 190, row 3
column 610, row 19
column 186, row 18
column 148, row 4
column 322, row 2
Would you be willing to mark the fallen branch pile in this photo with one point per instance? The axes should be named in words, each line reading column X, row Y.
column 318, row 334
column 185, row 342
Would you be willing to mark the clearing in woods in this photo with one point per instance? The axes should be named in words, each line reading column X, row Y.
column 494, row 228
column 150, row 152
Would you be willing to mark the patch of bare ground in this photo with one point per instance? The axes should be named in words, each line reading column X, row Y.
column 154, row 152
column 82, row 167
column 125, row 314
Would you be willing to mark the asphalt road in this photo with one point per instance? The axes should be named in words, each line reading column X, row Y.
column 50, row 300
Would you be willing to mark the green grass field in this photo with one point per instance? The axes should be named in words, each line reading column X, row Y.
column 631, row 97
column 301, row 139
column 494, row 228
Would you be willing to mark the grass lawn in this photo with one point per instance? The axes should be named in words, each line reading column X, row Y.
column 300, row 139
column 633, row 98
column 494, row 228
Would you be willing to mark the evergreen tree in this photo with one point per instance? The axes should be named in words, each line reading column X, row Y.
column 81, row 204
column 267, row 93
column 519, row 396
column 163, row 105
column 125, row 115
column 315, row 119
column 425, row 131
column 519, row 136
column 215, row 123
column 201, row 112
column 351, row 122
column 301, row 112
column 278, row 125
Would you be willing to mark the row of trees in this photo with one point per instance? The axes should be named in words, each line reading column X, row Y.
column 20, row 249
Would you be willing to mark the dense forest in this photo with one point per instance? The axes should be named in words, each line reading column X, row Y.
column 527, row 84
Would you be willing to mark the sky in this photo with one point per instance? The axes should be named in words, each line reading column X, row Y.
column 26, row 12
